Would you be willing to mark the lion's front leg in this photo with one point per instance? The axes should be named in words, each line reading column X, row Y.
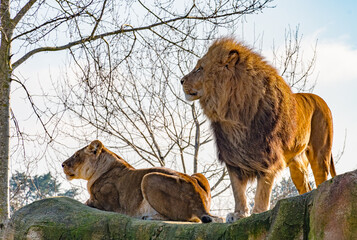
column 263, row 192
column 239, row 186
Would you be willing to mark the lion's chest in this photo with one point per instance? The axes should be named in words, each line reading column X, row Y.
column 239, row 149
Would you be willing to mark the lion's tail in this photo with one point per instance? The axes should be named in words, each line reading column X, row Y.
column 332, row 167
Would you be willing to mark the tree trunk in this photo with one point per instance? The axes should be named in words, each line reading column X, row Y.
column 5, row 79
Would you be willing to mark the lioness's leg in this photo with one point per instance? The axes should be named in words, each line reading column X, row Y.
column 263, row 192
column 299, row 173
column 147, row 212
column 239, row 186
column 176, row 197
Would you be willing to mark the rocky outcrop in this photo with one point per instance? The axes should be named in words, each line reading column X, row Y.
column 329, row 212
column 333, row 213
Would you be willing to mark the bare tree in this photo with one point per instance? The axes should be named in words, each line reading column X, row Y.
column 296, row 68
column 88, row 25
column 140, row 111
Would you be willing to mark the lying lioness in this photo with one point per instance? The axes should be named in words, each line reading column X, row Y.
column 151, row 193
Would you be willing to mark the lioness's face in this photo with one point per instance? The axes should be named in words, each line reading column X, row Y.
column 81, row 165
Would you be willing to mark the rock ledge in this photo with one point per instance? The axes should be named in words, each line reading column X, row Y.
column 329, row 212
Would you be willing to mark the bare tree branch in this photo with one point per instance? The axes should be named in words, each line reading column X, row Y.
column 34, row 108
column 23, row 11
column 250, row 9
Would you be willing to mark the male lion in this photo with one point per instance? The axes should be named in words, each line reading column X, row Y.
column 152, row 193
column 260, row 126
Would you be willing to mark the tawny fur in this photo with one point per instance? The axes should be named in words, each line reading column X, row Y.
column 152, row 193
column 260, row 126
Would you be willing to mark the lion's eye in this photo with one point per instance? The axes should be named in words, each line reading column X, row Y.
column 198, row 69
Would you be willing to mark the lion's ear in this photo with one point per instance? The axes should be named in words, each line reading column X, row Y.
column 95, row 147
column 232, row 58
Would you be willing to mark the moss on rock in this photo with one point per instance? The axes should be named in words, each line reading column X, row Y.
column 325, row 213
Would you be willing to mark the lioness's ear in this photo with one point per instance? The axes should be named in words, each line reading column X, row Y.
column 232, row 58
column 95, row 147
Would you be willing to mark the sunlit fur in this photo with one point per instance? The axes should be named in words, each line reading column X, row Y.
column 151, row 193
column 260, row 126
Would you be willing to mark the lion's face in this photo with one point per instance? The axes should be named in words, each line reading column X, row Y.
column 210, row 73
column 192, row 83
column 81, row 165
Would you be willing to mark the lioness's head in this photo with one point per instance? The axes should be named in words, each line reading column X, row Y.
column 82, row 164
column 217, row 65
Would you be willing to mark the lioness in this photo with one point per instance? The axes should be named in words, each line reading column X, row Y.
column 152, row 193
column 259, row 125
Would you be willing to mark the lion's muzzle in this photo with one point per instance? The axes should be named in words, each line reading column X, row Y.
column 192, row 87
column 190, row 97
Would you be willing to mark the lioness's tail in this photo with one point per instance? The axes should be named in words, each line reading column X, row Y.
column 332, row 167
column 210, row 218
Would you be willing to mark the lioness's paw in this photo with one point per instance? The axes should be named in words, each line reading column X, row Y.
column 232, row 217
column 89, row 203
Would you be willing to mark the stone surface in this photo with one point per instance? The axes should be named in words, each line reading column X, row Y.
column 330, row 212
column 333, row 213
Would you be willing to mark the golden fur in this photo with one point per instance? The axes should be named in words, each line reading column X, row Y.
column 152, row 193
column 260, row 126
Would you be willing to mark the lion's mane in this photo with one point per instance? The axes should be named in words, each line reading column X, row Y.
column 249, row 110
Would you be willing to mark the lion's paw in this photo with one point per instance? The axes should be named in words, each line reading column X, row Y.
column 232, row 217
